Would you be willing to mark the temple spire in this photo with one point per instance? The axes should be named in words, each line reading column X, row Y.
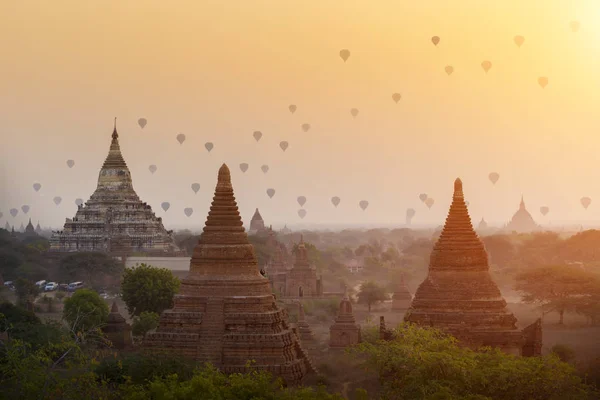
column 522, row 205
column 115, row 135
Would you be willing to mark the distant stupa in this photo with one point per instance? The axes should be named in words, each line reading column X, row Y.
column 522, row 221
column 482, row 225
column 257, row 224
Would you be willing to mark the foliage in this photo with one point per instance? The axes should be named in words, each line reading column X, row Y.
column 500, row 248
column 96, row 269
column 328, row 306
column 209, row 383
column 147, row 288
column 424, row 363
column 557, row 288
column 371, row 293
column 26, row 292
column 314, row 255
column 85, row 310
column 144, row 323
column 14, row 254
column 564, row 352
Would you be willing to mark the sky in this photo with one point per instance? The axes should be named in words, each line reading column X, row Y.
column 218, row 71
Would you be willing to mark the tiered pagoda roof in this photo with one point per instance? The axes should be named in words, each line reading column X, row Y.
column 522, row 221
column 225, row 312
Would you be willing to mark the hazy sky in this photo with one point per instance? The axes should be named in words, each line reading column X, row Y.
column 217, row 71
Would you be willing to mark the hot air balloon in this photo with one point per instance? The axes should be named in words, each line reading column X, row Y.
column 70, row 163
column 396, row 97
column 78, row 202
column 429, row 202
column 284, row 145
column 302, row 213
column 301, row 200
column 354, row 112
column 543, row 81
column 25, row 208
column 292, row 108
column 13, row 212
column 544, row 210
column 486, row 65
column 37, row 187
column 57, row 200
column 142, row 122
column 435, row 40
column 574, row 26
column 152, row 168
column 335, row 201
column 195, row 187
column 305, row 127
column 165, row 205
column 363, row 204
column 585, row 202
column 423, row 197
column 265, row 168
column 188, row 211
column 209, row 146
column 494, row 176
column 270, row 193
column 244, row 167
column 449, row 69
column 410, row 212
column 181, row 138
column 345, row 54
column 519, row 40
column 257, row 135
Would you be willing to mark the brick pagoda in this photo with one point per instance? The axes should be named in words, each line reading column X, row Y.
column 345, row 331
column 459, row 295
column 402, row 297
column 225, row 312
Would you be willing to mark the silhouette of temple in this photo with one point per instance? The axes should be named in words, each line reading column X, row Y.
column 114, row 219
column 522, row 221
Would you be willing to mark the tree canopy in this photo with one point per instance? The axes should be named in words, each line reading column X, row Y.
column 148, row 288
column 371, row 293
column 97, row 270
column 85, row 310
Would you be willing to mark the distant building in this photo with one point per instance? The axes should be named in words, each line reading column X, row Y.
column 257, row 224
column 482, row 225
column 29, row 229
column 114, row 220
column 354, row 266
column 522, row 221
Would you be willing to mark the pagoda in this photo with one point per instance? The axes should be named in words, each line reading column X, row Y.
column 307, row 338
column 522, row 221
column 459, row 295
column 345, row 331
column 29, row 229
column 38, row 229
column 7, row 226
column 402, row 297
column 302, row 279
column 114, row 219
column 257, row 224
column 276, row 267
column 482, row 225
column 117, row 330
column 225, row 312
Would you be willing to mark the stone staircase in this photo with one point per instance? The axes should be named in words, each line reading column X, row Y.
column 211, row 332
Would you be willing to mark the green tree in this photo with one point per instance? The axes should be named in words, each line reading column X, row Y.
column 26, row 292
column 371, row 293
column 147, row 288
column 143, row 324
column 564, row 352
column 85, row 310
column 424, row 363
column 557, row 288
column 97, row 270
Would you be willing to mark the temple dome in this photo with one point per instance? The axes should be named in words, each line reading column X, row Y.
column 522, row 221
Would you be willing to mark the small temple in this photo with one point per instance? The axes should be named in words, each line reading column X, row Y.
column 117, row 330
column 307, row 338
column 38, row 229
column 22, row 228
column 459, row 296
column 257, row 224
column 522, row 221
column 114, row 220
column 345, row 331
column 225, row 312
column 29, row 229
column 302, row 281
column 402, row 297
column 276, row 267
column 482, row 225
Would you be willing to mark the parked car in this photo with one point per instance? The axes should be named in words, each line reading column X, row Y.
column 63, row 287
column 40, row 284
column 73, row 286
column 50, row 287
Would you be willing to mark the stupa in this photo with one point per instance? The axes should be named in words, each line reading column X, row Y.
column 277, row 269
column 117, row 330
column 459, row 295
column 522, row 221
column 302, row 278
column 225, row 312
column 345, row 331
column 257, row 224
column 114, row 219
column 29, row 229
column 482, row 225
column 7, row 226
column 22, row 228
column 402, row 297
column 304, row 332
column 38, row 228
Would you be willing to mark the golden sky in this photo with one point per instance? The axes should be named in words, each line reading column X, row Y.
column 218, row 71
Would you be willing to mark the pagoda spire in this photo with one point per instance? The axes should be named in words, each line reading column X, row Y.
column 522, row 205
column 114, row 158
column 458, row 246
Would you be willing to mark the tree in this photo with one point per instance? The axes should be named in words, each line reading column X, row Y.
column 97, row 270
column 371, row 293
column 85, row 310
column 500, row 249
column 145, row 323
column 424, row 363
column 147, row 288
column 557, row 288
column 26, row 292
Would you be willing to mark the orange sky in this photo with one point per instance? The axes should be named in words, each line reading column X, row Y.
column 217, row 71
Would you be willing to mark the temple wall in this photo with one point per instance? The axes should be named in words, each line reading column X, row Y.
column 177, row 265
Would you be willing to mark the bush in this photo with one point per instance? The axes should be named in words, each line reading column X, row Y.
column 147, row 288
column 146, row 322
column 564, row 352
column 85, row 310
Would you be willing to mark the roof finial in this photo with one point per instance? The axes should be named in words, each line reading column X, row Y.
column 522, row 205
column 115, row 135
